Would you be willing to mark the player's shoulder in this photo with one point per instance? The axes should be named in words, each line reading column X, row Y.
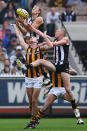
column 67, row 40
column 39, row 19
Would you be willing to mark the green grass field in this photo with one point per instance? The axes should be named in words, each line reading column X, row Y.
column 51, row 124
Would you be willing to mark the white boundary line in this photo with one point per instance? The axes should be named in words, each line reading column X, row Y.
column 16, row 107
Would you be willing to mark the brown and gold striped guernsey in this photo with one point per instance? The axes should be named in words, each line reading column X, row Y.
column 56, row 80
column 31, row 56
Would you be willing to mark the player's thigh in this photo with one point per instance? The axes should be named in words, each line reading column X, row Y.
column 48, row 65
column 50, row 99
column 66, row 79
column 36, row 92
column 29, row 93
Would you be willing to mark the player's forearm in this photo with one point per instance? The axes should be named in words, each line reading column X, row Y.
column 50, row 38
column 63, row 41
column 30, row 27
column 49, row 43
column 22, row 29
column 20, row 38
column 59, row 43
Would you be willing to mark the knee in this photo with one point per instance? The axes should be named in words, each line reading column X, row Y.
column 41, row 61
column 68, row 90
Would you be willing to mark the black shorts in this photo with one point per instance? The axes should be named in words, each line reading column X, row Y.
column 62, row 68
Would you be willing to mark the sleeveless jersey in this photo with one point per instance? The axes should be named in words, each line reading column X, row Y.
column 31, row 56
column 61, row 53
column 56, row 80
column 41, row 28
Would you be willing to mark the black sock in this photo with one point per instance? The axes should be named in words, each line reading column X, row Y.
column 45, row 74
column 74, row 105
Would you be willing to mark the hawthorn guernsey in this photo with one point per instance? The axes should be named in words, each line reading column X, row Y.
column 22, row 12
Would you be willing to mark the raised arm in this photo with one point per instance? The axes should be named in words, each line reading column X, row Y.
column 36, row 24
column 20, row 38
column 30, row 27
column 63, row 41
column 20, row 27
column 46, row 45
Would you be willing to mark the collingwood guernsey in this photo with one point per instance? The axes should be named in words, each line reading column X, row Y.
column 61, row 53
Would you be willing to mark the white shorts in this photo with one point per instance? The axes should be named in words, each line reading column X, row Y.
column 58, row 92
column 34, row 82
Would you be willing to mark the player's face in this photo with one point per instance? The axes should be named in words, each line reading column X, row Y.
column 33, row 41
column 35, row 10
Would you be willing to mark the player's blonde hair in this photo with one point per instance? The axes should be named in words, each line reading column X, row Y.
column 63, row 31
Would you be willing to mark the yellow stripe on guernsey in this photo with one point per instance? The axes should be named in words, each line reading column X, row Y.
column 59, row 80
column 33, row 59
column 53, row 79
column 29, row 73
column 56, row 80
column 32, row 55
column 39, row 57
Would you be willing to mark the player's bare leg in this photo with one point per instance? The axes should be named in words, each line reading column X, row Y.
column 37, row 63
column 32, row 124
column 50, row 99
column 66, row 81
column 29, row 94
column 44, row 63
column 76, row 110
column 36, row 92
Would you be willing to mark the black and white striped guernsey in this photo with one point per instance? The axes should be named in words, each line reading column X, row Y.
column 41, row 28
column 61, row 53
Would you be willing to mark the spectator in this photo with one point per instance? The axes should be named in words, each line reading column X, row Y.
column 11, row 50
column 10, row 18
column 52, row 18
column 2, row 11
column 7, row 62
column 6, row 70
column 14, row 71
column 2, row 61
column 2, row 50
column 10, row 7
column 2, row 5
column 79, row 3
column 68, row 15
column 18, row 55
column 4, row 26
column 13, row 36
column 6, row 39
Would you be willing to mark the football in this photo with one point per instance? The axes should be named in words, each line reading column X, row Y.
column 22, row 12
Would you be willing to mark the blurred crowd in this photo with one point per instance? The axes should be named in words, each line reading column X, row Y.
column 10, row 48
